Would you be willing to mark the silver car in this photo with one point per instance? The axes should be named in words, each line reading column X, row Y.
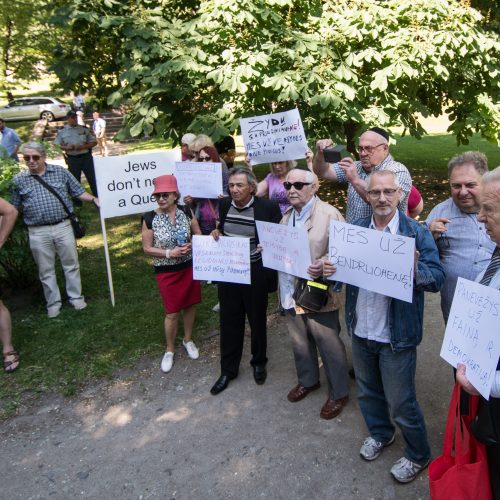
column 34, row 108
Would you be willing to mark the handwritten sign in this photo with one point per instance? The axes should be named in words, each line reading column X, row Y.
column 471, row 336
column 227, row 259
column 274, row 137
column 374, row 260
column 199, row 179
column 125, row 183
column 285, row 248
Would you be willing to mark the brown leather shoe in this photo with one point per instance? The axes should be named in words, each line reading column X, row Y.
column 300, row 392
column 333, row 407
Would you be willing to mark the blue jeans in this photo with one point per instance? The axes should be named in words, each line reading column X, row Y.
column 386, row 388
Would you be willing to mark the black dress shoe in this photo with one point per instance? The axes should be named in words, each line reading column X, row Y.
column 259, row 374
column 220, row 385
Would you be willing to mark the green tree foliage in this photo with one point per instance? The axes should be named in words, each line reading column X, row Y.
column 25, row 41
column 344, row 64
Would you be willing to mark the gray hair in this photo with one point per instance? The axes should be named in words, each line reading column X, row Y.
column 475, row 158
column 384, row 173
column 251, row 179
column 310, row 176
column 37, row 146
column 492, row 176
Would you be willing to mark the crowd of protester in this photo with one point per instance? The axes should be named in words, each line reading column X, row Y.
column 460, row 238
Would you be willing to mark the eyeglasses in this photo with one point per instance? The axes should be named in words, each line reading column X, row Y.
column 369, row 149
column 31, row 157
column 204, row 158
column 443, row 240
column 297, row 185
column 162, row 196
column 376, row 193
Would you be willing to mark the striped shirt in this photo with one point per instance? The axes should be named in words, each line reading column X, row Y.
column 241, row 222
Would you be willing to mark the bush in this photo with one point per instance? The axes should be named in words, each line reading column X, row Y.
column 17, row 267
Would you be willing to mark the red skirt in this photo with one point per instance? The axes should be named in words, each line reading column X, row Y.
column 178, row 289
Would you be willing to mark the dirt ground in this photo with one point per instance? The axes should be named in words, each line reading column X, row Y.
column 150, row 435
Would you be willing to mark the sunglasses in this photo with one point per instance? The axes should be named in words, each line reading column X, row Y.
column 162, row 196
column 297, row 185
column 31, row 157
column 204, row 158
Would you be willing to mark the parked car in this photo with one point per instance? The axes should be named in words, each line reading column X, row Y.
column 34, row 108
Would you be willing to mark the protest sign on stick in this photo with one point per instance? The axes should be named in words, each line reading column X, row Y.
column 471, row 335
column 284, row 248
column 274, row 137
column 374, row 260
column 199, row 179
column 125, row 185
column 227, row 259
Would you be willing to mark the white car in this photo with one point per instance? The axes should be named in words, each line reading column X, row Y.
column 34, row 108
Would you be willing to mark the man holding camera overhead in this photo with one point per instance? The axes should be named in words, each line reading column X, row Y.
column 373, row 149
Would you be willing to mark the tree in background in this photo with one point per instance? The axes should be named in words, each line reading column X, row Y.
column 201, row 66
column 25, row 42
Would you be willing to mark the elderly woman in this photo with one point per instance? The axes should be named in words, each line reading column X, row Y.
column 207, row 210
column 166, row 236
column 272, row 185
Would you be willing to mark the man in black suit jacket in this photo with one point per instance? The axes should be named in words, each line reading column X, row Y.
column 237, row 218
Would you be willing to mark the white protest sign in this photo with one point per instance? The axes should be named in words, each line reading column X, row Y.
column 125, row 183
column 471, row 336
column 199, row 179
column 274, row 137
column 227, row 259
column 284, row 248
column 374, row 260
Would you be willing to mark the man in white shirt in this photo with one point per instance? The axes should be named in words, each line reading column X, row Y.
column 99, row 127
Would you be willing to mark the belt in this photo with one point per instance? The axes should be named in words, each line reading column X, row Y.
column 49, row 223
column 78, row 156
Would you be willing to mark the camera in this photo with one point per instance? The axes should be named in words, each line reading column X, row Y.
column 333, row 155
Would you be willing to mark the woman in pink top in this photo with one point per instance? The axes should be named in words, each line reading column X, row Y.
column 272, row 185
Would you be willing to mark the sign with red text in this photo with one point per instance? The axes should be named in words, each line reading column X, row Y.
column 374, row 260
column 471, row 336
column 274, row 137
column 125, row 183
column 284, row 248
column 227, row 259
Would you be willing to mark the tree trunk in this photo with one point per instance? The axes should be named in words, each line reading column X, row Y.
column 350, row 130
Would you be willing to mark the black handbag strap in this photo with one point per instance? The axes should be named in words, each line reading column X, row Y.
column 48, row 187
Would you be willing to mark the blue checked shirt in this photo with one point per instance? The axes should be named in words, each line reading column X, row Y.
column 40, row 206
column 357, row 208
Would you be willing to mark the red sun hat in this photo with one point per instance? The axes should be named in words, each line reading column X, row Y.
column 165, row 184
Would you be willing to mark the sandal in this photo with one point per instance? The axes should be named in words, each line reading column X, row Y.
column 8, row 364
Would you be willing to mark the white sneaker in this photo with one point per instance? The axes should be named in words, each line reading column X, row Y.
column 371, row 449
column 167, row 362
column 79, row 304
column 54, row 311
column 216, row 308
column 191, row 349
column 405, row 470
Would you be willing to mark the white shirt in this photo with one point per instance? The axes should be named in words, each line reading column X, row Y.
column 372, row 308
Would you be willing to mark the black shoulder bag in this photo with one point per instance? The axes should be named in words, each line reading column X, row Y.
column 78, row 229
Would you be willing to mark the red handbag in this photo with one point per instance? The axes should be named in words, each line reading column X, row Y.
column 461, row 472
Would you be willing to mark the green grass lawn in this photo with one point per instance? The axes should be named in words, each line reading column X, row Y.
column 65, row 353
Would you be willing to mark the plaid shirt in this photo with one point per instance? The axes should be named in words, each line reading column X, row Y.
column 40, row 206
column 357, row 208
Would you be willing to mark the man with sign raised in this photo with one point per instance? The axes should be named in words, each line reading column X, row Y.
column 385, row 334
column 312, row 330
column 237, row 219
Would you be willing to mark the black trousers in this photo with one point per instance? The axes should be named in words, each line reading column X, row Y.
column 236, row 302
column 85, row 163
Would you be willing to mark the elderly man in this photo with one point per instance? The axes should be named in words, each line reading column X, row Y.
column 49, row 228
column 311, row 331
column 373, row 149
column 8, row 215
column 77, row 142
column 489, row 215
column 186, row 141
column 237, row 218
column 464, row 247
column 9, row 140
column 385, row 334
column 99, row 128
